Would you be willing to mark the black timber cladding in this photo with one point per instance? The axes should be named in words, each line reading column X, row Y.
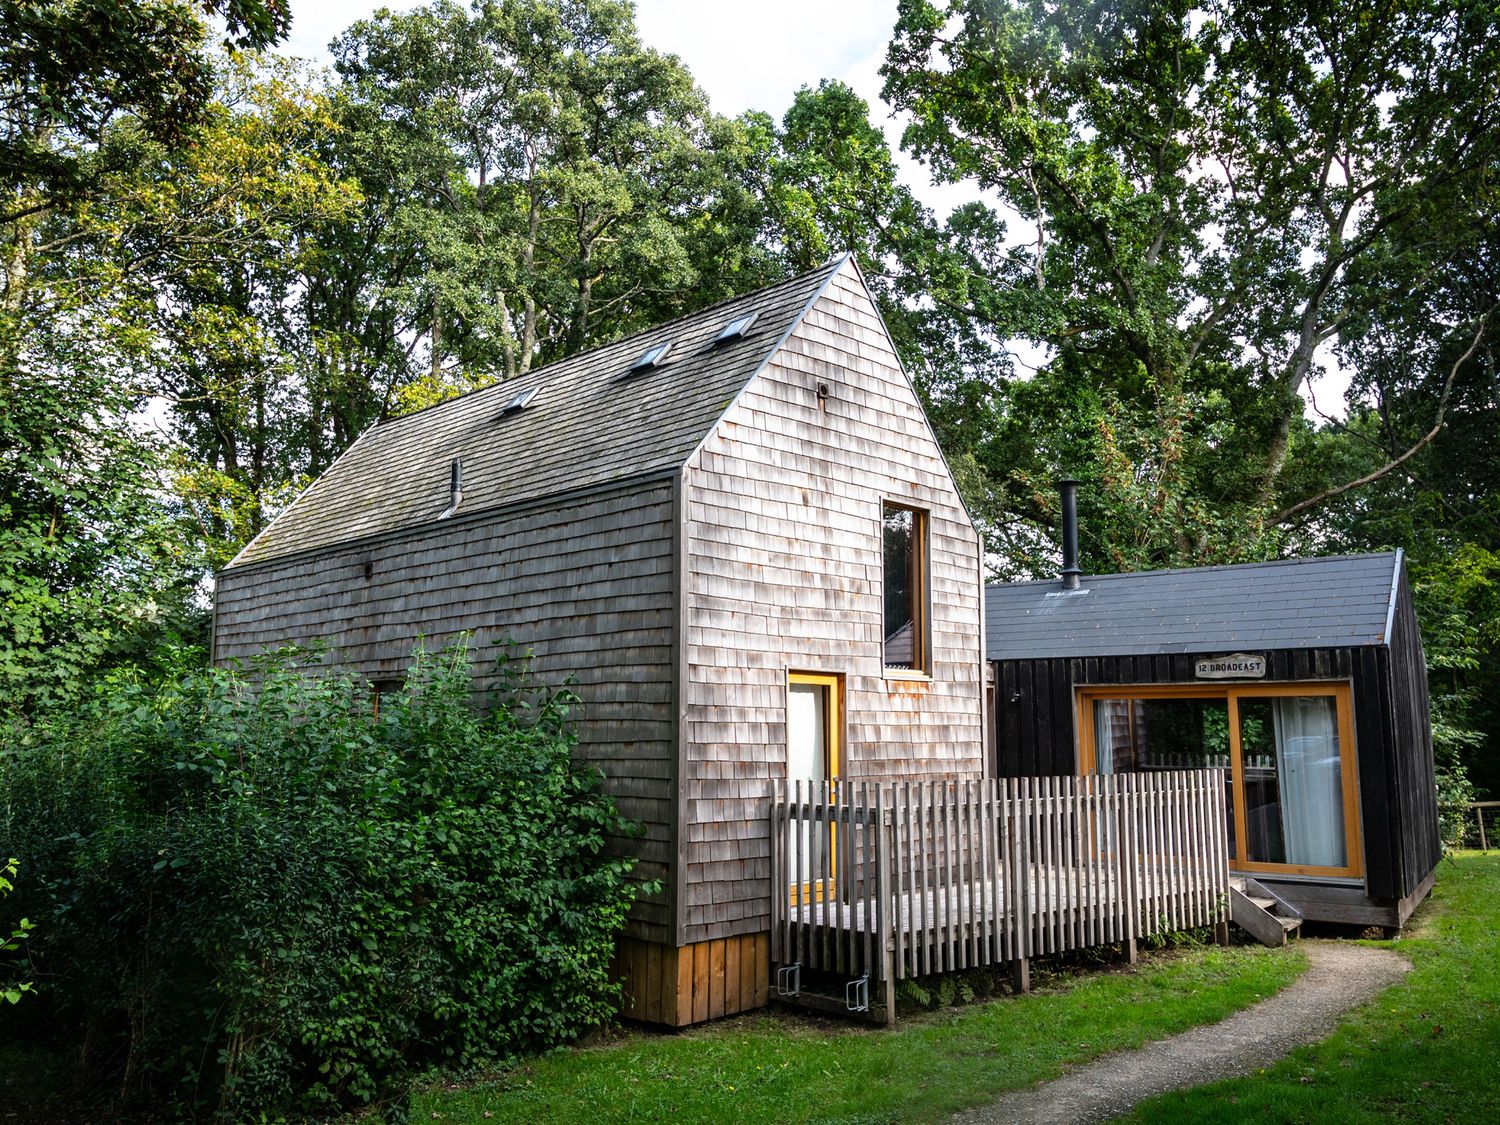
column 1035, row 717
column 1293, row 603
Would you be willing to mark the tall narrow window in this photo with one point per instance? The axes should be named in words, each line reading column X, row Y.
column 904, row 545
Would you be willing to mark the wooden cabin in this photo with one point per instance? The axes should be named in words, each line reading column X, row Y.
column 735, row 531
column 1303, row 678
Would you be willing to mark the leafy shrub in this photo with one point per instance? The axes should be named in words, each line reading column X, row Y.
column 1454, row 793
column 11, row 987
column 271, row 901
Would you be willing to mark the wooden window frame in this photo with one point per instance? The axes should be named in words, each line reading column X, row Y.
column 1343, row 696
column 921, row 639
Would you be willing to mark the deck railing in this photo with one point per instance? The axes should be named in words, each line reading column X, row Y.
column 894, row 881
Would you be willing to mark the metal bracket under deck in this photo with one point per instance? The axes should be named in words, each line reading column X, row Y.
column 789, row 980
column 857, row 994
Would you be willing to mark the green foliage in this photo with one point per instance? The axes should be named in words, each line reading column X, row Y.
column 75, row 67
column 265, row 900
column 1209, row 198
column 11, row 990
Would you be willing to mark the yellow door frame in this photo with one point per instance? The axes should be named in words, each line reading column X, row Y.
column 1232, row 694
column 833, row 764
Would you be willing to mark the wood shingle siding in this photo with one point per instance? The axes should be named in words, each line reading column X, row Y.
column 783, row 571
column 586, row 586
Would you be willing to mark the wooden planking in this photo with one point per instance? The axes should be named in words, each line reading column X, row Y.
column 1416, row 785
column 783, row 571
column 677, row 987
column 585, row 586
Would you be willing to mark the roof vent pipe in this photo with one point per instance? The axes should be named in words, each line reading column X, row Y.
column 455, row 487
column 1071, row 571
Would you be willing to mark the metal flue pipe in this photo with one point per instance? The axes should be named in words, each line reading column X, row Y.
column 1071, row 571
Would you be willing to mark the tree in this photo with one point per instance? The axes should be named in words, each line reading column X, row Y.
column 828, row 185
column 536, row 179
column 73, row 67
column 1424, row 437
column 217, row 241
column 1214, row 196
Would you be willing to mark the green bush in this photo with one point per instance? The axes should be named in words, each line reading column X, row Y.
column 274, row 902
column 11, row 987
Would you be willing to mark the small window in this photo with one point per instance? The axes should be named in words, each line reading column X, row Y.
column 736, row 328
column 383, row 687
column 903, row 534
column 519, row 401
column 651, row 357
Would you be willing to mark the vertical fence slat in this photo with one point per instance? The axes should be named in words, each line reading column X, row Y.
column 929, row 923
column 1022, row 821
column 986, row 886
column 1075, row 871
column 971, row 881
column 916, row 938
column 1055, row 866
column 947, row 879
column 795, row 841
column 776, row 872
column 960, row 915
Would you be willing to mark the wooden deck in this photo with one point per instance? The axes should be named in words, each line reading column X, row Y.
column 889, row 882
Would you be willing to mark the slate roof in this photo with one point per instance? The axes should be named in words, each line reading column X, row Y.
column 589, row 424
column 1294, row 603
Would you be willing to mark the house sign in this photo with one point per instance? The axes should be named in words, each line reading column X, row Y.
column 1237, row 666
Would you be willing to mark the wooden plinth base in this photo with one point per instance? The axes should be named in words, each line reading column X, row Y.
column 677, row 987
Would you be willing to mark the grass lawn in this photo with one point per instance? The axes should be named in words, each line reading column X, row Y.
column 777, row 1067
column 1427, row 1050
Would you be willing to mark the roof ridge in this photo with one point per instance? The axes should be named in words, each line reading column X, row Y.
column 1296, row 560
column 831, row 265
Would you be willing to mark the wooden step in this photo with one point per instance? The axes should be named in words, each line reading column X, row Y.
column 1255, row 909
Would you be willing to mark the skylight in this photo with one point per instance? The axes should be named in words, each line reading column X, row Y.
column 736, row 328
column 520, row 400
column 651, row 357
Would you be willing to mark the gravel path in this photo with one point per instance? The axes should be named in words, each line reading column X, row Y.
column 1340, row 976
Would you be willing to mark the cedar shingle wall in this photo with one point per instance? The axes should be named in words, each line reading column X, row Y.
column 586, row 585
column 784, row 572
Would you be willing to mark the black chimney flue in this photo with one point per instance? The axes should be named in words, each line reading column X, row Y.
column 1071, row 572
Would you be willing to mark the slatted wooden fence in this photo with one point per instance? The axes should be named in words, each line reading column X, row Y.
column 895, row 881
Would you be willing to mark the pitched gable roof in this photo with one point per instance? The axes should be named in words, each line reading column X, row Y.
column 590, row 423
column 1294, row 603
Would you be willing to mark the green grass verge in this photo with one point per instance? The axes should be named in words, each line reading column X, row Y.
column 1427, row 1050
column 780, row 1067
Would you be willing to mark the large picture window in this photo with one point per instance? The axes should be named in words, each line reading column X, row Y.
column 1287, row 749
column 903, row 534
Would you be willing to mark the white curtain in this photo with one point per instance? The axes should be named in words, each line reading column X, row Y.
column 1110, row 719
column 1309, row 772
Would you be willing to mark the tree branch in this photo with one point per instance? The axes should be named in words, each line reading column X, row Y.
column 1420, row 444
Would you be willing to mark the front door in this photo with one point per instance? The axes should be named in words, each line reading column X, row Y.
column 814, row 712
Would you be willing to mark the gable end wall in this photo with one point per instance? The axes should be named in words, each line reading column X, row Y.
column 783, row 571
